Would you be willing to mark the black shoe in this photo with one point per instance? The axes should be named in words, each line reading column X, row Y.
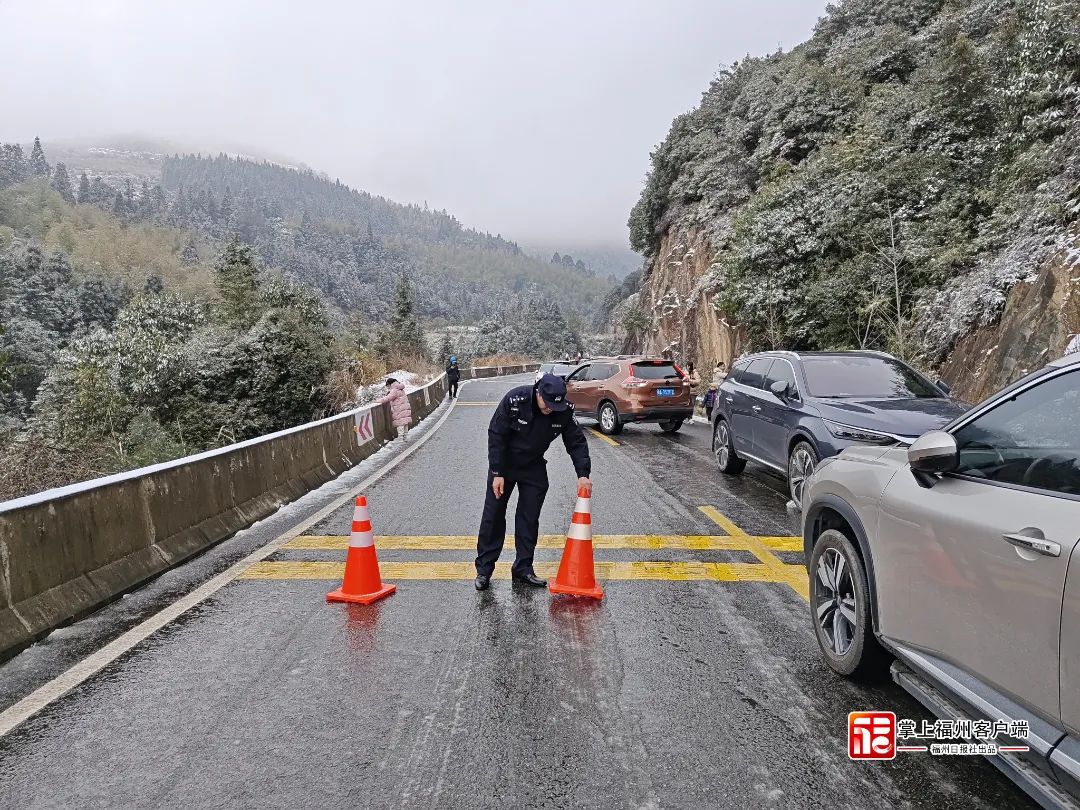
column 530, row 579
column 483, row 582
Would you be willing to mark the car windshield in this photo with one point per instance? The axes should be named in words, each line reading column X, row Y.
column 865, row 378
column 562, row 369
column 546, row 368
column 655, row 370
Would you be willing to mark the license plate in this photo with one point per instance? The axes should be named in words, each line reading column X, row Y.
column 665, row 392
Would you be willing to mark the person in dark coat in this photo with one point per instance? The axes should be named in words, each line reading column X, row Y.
column 528, row 419
column 453, row 375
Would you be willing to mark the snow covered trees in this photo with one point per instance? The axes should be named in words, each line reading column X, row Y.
column 949, row 130
column 61, row 183
column 405, row 337
column 38, row 165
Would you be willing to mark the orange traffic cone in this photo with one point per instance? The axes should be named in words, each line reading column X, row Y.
column 362, row 583
column 576, row 576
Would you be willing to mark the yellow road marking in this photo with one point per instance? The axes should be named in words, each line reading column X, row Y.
column 602, row 436
column 793, row 575
column 621, row 541
column 664, row 571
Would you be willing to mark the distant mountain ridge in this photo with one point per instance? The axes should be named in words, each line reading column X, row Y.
column 349, row 244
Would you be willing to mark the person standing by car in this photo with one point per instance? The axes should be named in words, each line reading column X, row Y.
column 710, row 401
column 528, row 419
column 719, row 373
column 453, row 375
column 694, row 379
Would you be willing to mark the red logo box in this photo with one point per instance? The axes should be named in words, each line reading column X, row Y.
column 872, row 735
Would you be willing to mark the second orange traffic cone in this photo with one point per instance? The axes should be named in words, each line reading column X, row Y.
column 577, row 576
column 362, row 582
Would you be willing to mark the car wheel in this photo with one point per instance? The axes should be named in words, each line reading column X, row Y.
column 840, row 608
column 724, row 449
column 609, row 419
column 801, row 464
column 671, row 425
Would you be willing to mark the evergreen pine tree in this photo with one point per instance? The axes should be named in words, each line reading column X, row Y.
column 99, row 191
column 39, row 166
column 405, row 332
column 13, row 166
column 227, row 211
column 119, row 206
column 237, row 283
column 61, row 183
column 189, row 255
column 84, row 188
column 446, row 348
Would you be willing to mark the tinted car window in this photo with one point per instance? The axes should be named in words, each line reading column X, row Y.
column 1031, row 439
column 738, row 371
column 562, row 369
column 782, row 371
column 601, row 371
column 655, row 370
column 754, row 376
column 579, row 375
column 865, row 378
column 545, row 368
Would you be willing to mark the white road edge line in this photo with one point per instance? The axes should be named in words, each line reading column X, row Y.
column 41, row 697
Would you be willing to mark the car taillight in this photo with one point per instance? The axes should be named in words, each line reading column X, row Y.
column 634, row 382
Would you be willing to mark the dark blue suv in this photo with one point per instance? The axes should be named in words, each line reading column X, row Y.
column 787, row 410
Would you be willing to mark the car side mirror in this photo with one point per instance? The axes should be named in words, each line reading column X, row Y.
column 780, row 388
column 931, row 454
column 944, row 387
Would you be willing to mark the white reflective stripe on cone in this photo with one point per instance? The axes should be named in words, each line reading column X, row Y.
column 579, row 531
column 583, row 505
column 361, row 539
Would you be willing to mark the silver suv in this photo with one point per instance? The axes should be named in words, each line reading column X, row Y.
column 951, row 559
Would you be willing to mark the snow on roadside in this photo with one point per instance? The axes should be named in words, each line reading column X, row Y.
column 411, row 381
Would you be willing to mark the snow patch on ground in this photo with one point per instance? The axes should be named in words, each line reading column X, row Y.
column 411, row 381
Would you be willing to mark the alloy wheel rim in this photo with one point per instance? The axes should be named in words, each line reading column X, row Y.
column 802, row 465
column 721, row 449
column 607, row 418
column 835, row 604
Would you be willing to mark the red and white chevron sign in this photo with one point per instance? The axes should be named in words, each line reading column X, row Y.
column 365, row 431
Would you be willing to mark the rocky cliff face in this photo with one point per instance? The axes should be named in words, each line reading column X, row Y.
column 678, row 297
column 1039, row 315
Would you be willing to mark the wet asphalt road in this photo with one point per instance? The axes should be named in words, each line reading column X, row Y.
column 665, row 694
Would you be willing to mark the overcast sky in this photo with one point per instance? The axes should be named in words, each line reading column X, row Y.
column 534, row 119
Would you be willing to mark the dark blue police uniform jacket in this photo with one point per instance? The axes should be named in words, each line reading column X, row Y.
column 519, row 435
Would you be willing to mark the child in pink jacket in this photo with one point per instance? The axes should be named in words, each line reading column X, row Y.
column 400, row 409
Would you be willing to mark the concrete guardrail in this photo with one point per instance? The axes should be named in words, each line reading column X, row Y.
column 67, row 551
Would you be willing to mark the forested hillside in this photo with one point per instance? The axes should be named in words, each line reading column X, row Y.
column 352, row 245
column 886, row 184
column 144, row 321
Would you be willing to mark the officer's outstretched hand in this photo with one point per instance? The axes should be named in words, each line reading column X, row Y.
column 585, row 482
column 498, row 485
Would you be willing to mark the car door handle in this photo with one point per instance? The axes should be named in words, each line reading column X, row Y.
column 729, row 399
column 756, row 408
column 1045, row 547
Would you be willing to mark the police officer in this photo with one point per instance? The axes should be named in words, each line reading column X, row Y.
column 527, row 421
